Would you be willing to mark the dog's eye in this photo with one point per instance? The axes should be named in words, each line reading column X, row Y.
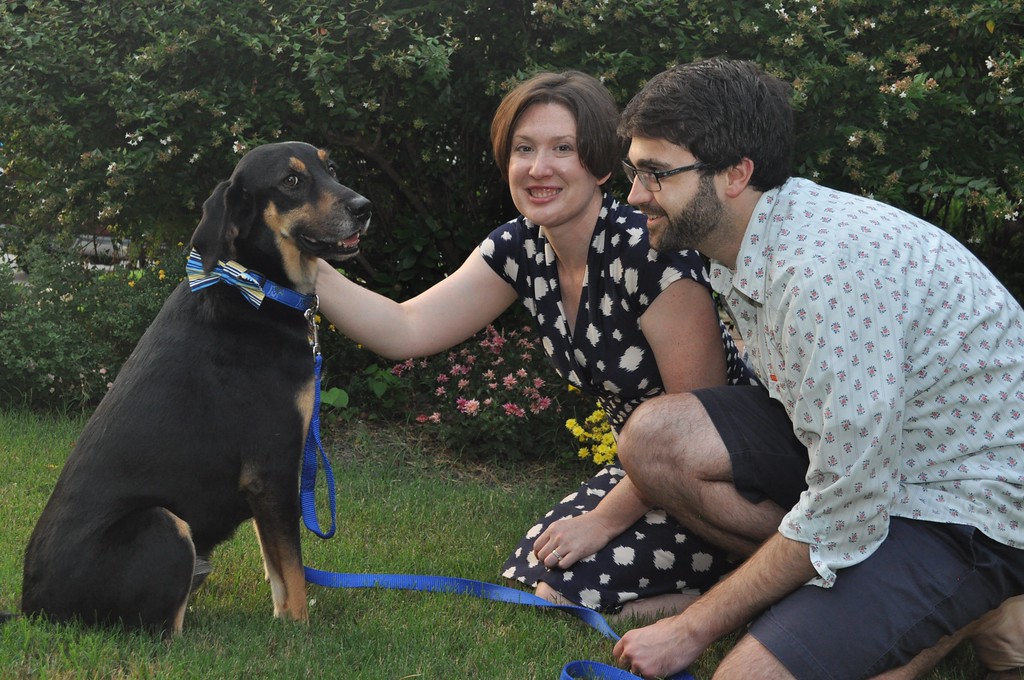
column 291, row 181
column 333, row 169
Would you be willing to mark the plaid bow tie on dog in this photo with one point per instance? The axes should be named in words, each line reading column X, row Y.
column 253, row 285
column 248, row 283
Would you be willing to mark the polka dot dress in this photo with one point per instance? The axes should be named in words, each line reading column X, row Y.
column 607, row 356
column 654, row 556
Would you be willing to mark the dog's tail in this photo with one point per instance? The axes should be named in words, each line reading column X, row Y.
column 7, row 616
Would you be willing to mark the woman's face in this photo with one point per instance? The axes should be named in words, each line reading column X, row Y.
column 546, row 177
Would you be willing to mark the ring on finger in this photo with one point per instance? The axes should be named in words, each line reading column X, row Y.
column 557, row 556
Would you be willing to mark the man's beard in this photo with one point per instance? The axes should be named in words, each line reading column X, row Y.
column 691, row 227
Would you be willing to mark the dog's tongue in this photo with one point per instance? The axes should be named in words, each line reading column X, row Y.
column 351, row 242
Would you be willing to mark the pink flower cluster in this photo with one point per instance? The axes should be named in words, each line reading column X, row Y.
column 488, row 376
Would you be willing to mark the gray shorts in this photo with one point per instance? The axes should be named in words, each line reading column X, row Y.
column 925, row 581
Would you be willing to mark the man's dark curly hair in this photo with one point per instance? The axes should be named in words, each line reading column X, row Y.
column 722, row 111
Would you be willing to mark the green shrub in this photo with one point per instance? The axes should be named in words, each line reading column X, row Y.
column 64, row 336
column 122, row 117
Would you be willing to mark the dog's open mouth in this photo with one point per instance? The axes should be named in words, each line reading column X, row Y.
column 330, row 250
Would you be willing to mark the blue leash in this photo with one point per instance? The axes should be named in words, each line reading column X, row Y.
column 488, row 591
column 314, row 456
column 314, row 449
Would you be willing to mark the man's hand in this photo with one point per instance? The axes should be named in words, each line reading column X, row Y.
column 779, row 567
column 660, row 649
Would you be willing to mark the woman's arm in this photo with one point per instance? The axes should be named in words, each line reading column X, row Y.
column 682, row 327
column 449, row 312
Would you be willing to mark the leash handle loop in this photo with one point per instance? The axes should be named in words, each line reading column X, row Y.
column 594, row 670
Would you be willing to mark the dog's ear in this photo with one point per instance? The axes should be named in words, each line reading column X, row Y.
column 227, row 213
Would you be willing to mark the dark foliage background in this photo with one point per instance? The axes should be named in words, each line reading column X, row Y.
column 119, row 117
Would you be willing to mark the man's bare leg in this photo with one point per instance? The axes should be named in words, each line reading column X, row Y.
column 675, row 457
column 750, row 659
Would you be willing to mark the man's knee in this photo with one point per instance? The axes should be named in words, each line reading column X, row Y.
column 998, row 637
column 670, row 430
column 652, row 431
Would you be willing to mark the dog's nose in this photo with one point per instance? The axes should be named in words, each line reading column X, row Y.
column 360, row 208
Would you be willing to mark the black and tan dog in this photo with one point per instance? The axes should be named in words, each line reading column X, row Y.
column 205, row 424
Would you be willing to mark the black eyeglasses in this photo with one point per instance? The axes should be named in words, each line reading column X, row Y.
column 651, row 179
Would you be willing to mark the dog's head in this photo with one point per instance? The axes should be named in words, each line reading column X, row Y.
column 282, row 208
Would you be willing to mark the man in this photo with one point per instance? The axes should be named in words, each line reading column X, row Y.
column 877, row 485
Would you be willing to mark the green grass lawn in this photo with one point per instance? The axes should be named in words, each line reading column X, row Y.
column 401, row 509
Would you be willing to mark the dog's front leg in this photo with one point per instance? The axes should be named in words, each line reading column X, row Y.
column 277, row 530
column 282, row 564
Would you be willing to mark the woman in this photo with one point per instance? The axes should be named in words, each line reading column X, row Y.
column 618, row 320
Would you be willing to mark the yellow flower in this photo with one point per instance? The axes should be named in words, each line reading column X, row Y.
column 597, row 435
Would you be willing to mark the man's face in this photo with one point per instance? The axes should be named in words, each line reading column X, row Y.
column 687, row 210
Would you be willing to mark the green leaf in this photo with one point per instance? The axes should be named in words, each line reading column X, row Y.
column 336, row 397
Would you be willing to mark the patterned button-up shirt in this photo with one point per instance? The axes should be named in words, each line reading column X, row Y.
column 899, row 359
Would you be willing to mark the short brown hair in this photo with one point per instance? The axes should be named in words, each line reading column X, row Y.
column 591, row 105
